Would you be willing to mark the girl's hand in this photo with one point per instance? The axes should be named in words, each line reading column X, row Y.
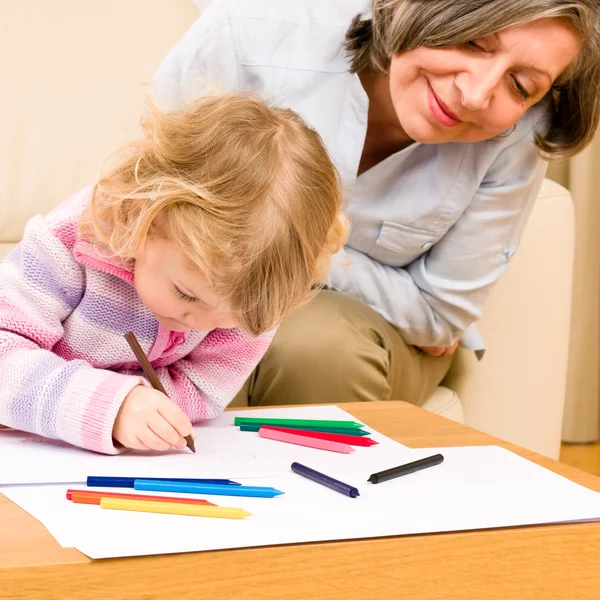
column 439, row 350
column 148, row 420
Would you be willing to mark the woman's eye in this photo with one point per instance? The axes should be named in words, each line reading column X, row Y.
column 521, row 90
column 184, row 296
column 474, row 46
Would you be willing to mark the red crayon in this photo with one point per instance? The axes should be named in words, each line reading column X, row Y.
column 352, row 440
column 94, row 497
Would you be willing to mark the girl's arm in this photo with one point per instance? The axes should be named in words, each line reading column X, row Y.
column 40, row 392
column 207, row 379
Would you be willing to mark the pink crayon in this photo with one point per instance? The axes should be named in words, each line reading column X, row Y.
column 300, row 440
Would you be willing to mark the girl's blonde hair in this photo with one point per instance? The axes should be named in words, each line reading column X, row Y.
column 245, row 190
column 400, row 25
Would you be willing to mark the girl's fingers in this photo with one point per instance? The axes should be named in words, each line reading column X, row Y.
column 141, row 445
column 152, row 441
column 134, row 444
column 164, row 430
column 175, row 417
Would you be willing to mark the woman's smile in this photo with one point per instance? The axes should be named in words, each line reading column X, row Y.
column 439, row 110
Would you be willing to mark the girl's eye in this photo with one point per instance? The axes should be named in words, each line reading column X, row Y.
column 521, row 90
column 183, row 296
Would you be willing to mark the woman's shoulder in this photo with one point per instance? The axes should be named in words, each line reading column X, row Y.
column 535, row 120
column 514, row 143
column 303, row 34
column 299, row 12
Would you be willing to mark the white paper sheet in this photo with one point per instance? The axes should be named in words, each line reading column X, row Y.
column 222, row 451
column 474, row 488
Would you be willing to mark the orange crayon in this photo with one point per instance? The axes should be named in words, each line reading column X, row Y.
column 94, row 497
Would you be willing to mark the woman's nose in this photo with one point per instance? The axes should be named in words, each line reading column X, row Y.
column 477, row 85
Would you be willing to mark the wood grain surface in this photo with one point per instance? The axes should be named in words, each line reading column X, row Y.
column 530, row 563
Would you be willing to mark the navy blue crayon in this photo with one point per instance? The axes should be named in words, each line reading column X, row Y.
column 128, row 482
column 330, row 482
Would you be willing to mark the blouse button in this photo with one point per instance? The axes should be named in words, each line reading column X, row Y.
column 178, row 340
column 426, row 245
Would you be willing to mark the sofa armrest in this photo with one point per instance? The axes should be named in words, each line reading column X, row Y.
column 517, row 392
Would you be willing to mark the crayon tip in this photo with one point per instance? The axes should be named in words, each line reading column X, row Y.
column 245, row 513
column 373, row 479
column 354, row 494
column 189, row 440
column 69, row 494
column 277, row 492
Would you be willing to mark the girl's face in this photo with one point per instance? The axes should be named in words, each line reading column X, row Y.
column 476, row 91
column 178, row 295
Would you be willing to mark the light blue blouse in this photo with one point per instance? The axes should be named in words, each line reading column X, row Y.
column 433, row 226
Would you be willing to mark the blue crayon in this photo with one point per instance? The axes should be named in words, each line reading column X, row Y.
column 199, row 488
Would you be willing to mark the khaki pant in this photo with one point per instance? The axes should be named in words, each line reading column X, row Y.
column 337, row 349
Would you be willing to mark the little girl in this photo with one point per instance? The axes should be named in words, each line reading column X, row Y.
column 200, row 237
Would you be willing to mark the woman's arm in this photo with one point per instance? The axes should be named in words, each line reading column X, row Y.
column 435, row 298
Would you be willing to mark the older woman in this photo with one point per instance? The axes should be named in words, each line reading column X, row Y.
column 437, row 115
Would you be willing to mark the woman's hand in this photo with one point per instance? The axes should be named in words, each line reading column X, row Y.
column 148, row 420
column 439, row 350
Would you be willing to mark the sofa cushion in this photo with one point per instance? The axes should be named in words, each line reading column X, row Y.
column 71, row 74
column 446, row 403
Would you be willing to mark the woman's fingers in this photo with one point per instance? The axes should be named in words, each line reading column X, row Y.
column 439, row 350
column 433, row 350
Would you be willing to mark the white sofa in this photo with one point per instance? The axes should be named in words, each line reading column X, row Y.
column 72, row 70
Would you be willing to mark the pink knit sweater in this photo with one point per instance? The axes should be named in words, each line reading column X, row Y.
column 65, row 367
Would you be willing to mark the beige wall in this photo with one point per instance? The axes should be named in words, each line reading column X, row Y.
column 582, row 409
column 559, row 172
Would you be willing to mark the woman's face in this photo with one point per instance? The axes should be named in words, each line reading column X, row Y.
column 476, row 91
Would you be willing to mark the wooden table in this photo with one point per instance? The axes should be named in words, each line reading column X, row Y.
column 530, row 563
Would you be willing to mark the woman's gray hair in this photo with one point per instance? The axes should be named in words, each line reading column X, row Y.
column 401, row 25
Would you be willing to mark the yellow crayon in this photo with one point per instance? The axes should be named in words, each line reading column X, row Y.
column 173, row 508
